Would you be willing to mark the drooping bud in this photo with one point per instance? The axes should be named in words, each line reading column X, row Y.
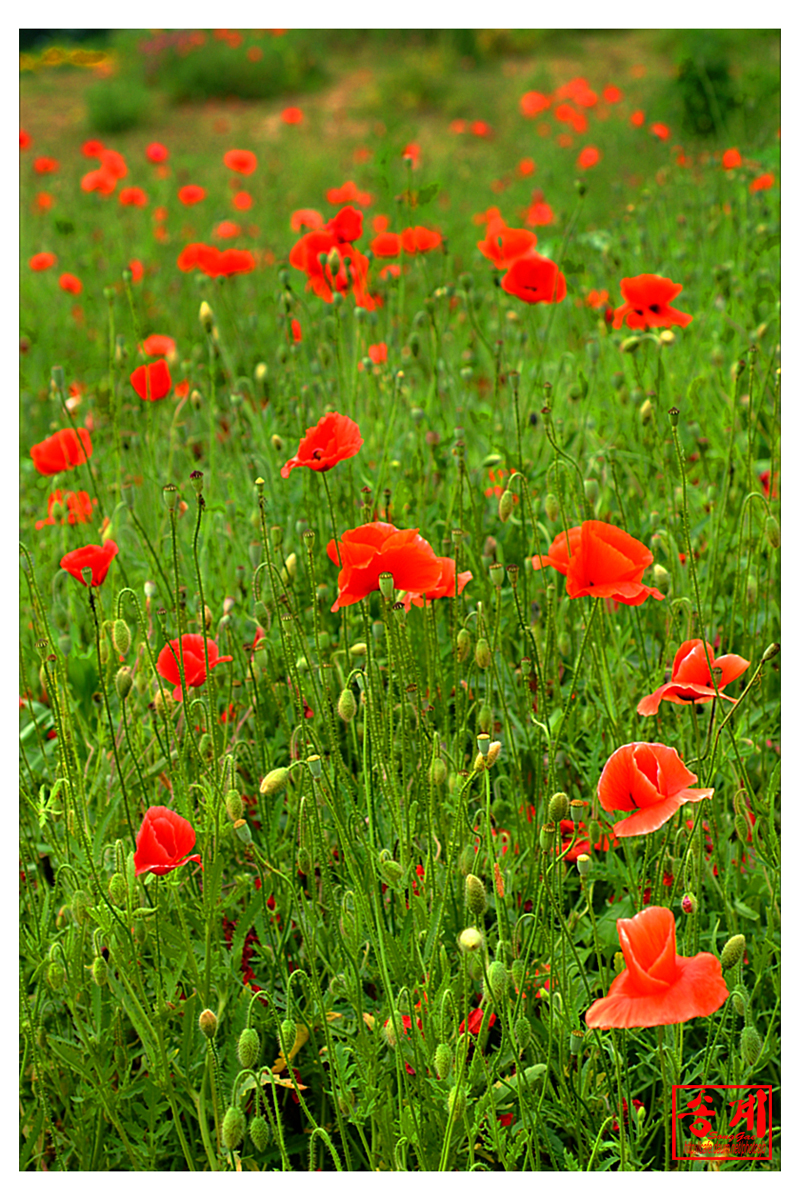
column 206, row 316
column 117, row 889
column 438, row 772
column 288, row 1034
column 234, row 804
column 248, row 1047
column 347, row 706
column 497, row 980
column 506, row 505
column 391, row 870
column 79, row 904
column 750, row 1045
column 551, row 507
column 483, row 655
column 646, row 412
column 773, row 532
column 100, row 971
column 442, row 1060
column 732, row 951
column 661, row 578
column 123, row 682
column 121, row 636
column 558, row 807
column 259, row 1133
column 208, row 1023
column 740, row 998
column 476, row 895
column 233, row 1127
column 56, row 975
column 274, row 782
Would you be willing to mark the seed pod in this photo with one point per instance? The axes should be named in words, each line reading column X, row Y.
column 442, row 1060
column 750, row 1045
column 475, row 895
column 347, row 706
column 248, row 1047
column 547, row 836
column 463, row 643
column 233, row 1127
column 732, row 951
column 121, row 637
column 259, row 1133
column 584, row 864
column 483, row 655
column 274, row 782
column 558, row 808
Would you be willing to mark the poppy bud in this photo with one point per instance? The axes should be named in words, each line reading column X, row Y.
column 347, row 706
column 483, row 655
column 456, row 1102
column 485, row 719
column 497, row 980
column 547, row 836
column 207, row 1022
column 771, row 651
column 206, row 748
column 630, row 345
column 740, row 998
column 689, row 904
column 732, row 951
column 619, row 962
column 442, row 1060
column 274, row 782
column 261, row 372
column 248, row 1047
column 100, row 971
column 304, row 860
column 79, row 904
column 661, row 578
column 742, row 827
column 751, row 589
column 463, row 643
column 121, row 636
column 390, row 1026
column 476, row 895
column 551, row 507
column 750, row 1045
column 206, row 317
column 591, row 490
column 522, row 1032
column 259, row 1133
column 506, row 505
column 773, row 532
column 438, row 772
column 558, row 807
column 123, row 682
column 584, row 865
column 117, row 889
column 492, row 754
column 233, row 1127
column 56, row 975
column 288, row 1035
column 470, row 940
column 646, row 412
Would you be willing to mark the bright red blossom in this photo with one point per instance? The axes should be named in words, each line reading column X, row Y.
column 534, row 279
column 163, row 842
column 333, row 439
column 244, row 162
column 78, row 508
column 691, row 681
column 156, row 153
column 731, row 158
column 660, row 131
column 190, row 648
column 158, row 344
column 647, row 303
column 376, row 548
column 658, row 986
column 45, row 166
column 152, row 381
column 445, row 587
column 589, row 157
column 96, row 558
column 503, row 246
column 347, row 192
column 763, row 182
column 474, row 1021
column 191, row 194
column 133, row 197
column 292, row 116
column 70, row 283
column 650, row 781
column 42, row 261
column 306, row 218
column 62, row 451
column 601, row 560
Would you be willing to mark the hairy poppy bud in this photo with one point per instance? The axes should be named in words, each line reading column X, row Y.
column 558, row 807
column 391, row 871
column 661, row 578
column 551, row 507
column 689, row 904
column 206, row 317
column 456, row 1102
column 595, row 832
column 56, row 975
column 248, row 1047
column 100, row 971
column 347, row 706
column 497, row 980
column 79, row 904
column 117, row 889
column 522, row 1032
column 750, row 1045
column 233, row 1127
column 732, row 951
column 773, row 532
column 259, row 1133
column 773, row 649
column 438, row 772
column 442, row 1060
column 208, row 1023
column 506, row 505
column 123, row 682
column 742, row 827
column 121, row 637
column 463, row 643
column 288, row 1034
column 274, row 782
column 630, row 345
column 234, row 805
column 476, row 895
column 483, row 655
column 740, row 998
column 591, row 490
column 485, row 719
column 470, row 940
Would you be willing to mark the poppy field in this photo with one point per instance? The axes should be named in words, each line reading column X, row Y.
column 399, row 612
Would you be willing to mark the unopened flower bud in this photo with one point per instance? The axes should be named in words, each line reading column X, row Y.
column 661, row 578
column 492, row 754
column 773, row 532
column 558, row 808
column 476, row 895
column 206, row 316
column 288, row 1036
column 551, row 507
column 438, row 772
column 100, row 971
column 470, row 940
column 274, row 782
column 522, row 1032
column 773, row 649
column 248, row 1047
column 56, row 975
column 740, row 998
column 750, row 1045
column 619, row 962
column 259, row 1133
column 497, row 980
column 463, row 643
column 123, row 682
column 442, row 1060
column 646, row 412
column 742, row 827
column 391, row 871
column 630, row 345
column 234, row 805
column 506, row 505
column 207, row 1022
column 689, row 904
column 732, row 951
column 483, row 655
column 121, row 636
column 347, row 706
column 233, row 1127
column 117, row 889
column 595, row 832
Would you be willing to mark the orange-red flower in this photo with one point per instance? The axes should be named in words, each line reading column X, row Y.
column 156, row 153
column 526, row 166
column 70, row 283
column 152, row 381
column 445, row 587
column 227, row 229
column 163, row 842
column 418, row 240
column 44, row 201
column 97, row 559
column 158, row 344
column 297, row 330
column 691, row 681
column 136, row 269
column 647, row 303
column 242, row 201
column 77, row 504
column 133, row 197
column 334, row 438
column 533, row 103
column 596, row 299
column 601, row 560
column 731, row 158
column 480, row 129
column 539, row 213
column 292, row 116
column 191, row 194
column 637, row 118
column 612, row 94
column 45, row 166
column 386, row 245
column 190, row 648
column 375, row 549
column 113, row 162
column 25, row 139
column 570, row 116
column 589, row 157
column 93, row 148
column 658, row 985
column 347, row 192
column 62, row 451
column 306, row 218
column 243, row 162
column 42, row 261
column 346, row 268
column 100, row 180
column 650, row 781
column 660, row 131
column 534, row 279
column 412, row 152
column 503, row 246
column 763, row 183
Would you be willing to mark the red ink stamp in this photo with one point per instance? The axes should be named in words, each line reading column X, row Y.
column 721, row 1122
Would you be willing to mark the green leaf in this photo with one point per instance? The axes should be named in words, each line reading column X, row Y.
column 426, row 194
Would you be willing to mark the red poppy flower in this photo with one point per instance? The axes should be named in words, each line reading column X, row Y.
column 347, row 192
column 25, row 139
column 691, row 682
column 242, row 201
column 191, row 194
column 96, row 558
column 136, row 269
column 419, row 240
column 330, row 441
column 763, row 182
column 589, row 157
column 412, row 152
column 458, row 126
column 601, row 560
column 647, row 303
column 660, row 131
column 582, row 844
column 595, row 299
column 765, row 478
column 243, row 162
column 194, row 664
column 158, row 344
column 42, row 262
column 306, row 218
column 650, row 781
column 503, row 246
column 474, row 1021
column 535, row 280
column 391, row 271
column 348, row 268
column 45, row 166
column 612, row 94
column 570, row 116
column 113, row 162
column 533, row 103
column 297, row 331
column 93, row 148
column 731, row 158
column 152, row 381
column 539, row 213
column 347, row 226
column 637, row 118
column 100, row 180
column 386, row 245
column 378, row 353
column 133, row 197
column 189, row 256
column 371, row 550
column 658, row 986
column 480, row 129
column 445, row 587
column 156, row 153
column 526, row 166
column 292, row 116
column 44, row 201
column 163, row 842
column 70, row 283
column 78, row 508
column 228, row 262
column 62, row 451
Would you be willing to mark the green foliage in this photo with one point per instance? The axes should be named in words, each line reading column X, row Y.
column 117, row 105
